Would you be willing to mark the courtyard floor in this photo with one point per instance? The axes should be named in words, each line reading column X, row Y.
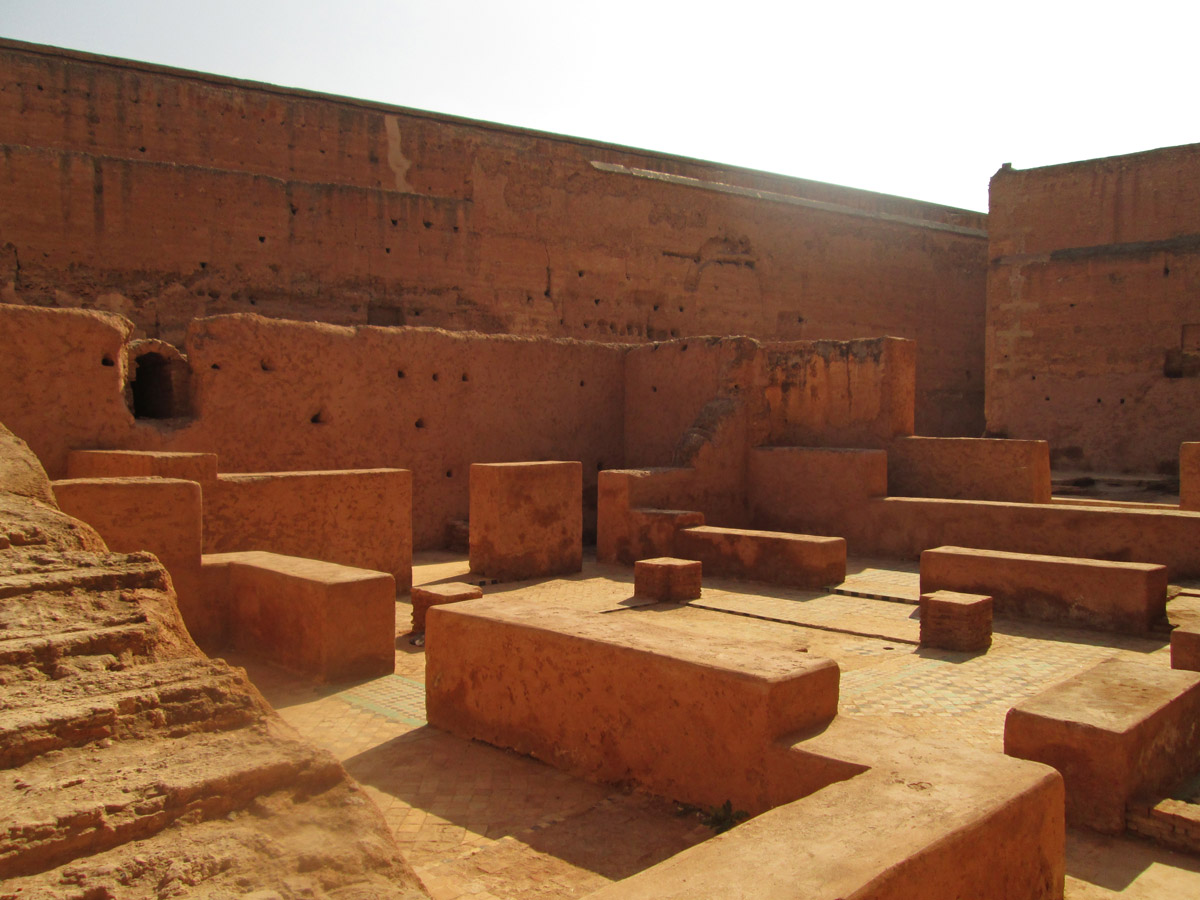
column 476, row 821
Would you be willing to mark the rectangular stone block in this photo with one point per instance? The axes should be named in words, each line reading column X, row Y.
column 323, row 620
column 162, row 515
column 1094, row 593
column 526, row 519
column 355, row 517
column 796, row 560
column 618, row 698
column 994, row 833
column 953, row 621
column 667, row 579
column 201, row 467
column 1119, row 730
column 1185, row 648
column 438, row 594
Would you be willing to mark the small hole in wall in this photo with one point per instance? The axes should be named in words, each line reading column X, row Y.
column 599, row 465
column 107, row 361
column 420, row 423
column 266, row 366
column 1122, row 401
column 399, row 373
column 262, row 238
column 395, row 222
column 204, row 265
column 1033, row 378
column 684, row 347
column 596, row 301
column 656, row 307
column 318, row 418
column 449, row 473
column 1166, row 271
column 681, row 309
column 435, row 376
column 464, row 377
column 653, row 389
column 455, row 229
column 427, row 224
column 1047, row 399
column 141, row 149
column 581, row 273
column 581, row 383
column 215, row 366
column 1098, row 400
column 387, row 249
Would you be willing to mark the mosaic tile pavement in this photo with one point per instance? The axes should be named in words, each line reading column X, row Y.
column 393, row 697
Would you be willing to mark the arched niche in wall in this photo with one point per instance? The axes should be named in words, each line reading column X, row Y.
column 159, row 385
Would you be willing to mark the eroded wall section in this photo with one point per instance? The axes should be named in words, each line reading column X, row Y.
column 273, row 395
column 1093, row 338
column 166, row 195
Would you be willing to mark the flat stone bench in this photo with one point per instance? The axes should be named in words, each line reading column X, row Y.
column 201, row 467
column 1095, row 593
column 354, row 517
column 619, row 699
column 994, row 834
column 324, row 620
column 1117, row 731
column 430, row 595
column 796, row 560
column 954, row 621
column 667, row 579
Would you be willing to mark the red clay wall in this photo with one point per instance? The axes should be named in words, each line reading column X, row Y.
column 166, row 195
column 1093, row 339
column 969, row 469
column 272, row 395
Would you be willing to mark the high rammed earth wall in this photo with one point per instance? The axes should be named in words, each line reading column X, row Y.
column 166, row 195
column 1093, row 329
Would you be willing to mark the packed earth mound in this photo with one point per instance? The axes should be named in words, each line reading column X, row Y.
column 133, row 765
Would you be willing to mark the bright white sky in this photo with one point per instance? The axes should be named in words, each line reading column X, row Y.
column 920, row 99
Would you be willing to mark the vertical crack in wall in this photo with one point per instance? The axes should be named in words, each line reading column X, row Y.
column 397, row 162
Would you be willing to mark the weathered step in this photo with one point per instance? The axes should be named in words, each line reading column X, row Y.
column 331, row 845
column 47, row 654
column 117, row 572
column 74, row 803
column 167, row 699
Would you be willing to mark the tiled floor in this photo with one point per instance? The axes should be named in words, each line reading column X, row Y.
column 482, row 822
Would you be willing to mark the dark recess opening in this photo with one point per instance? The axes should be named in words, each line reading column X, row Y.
column 153, row 396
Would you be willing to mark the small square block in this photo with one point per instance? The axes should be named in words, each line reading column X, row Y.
column 1185, row 648
column 667, row 579
column 435, row 595
column 954, row 621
